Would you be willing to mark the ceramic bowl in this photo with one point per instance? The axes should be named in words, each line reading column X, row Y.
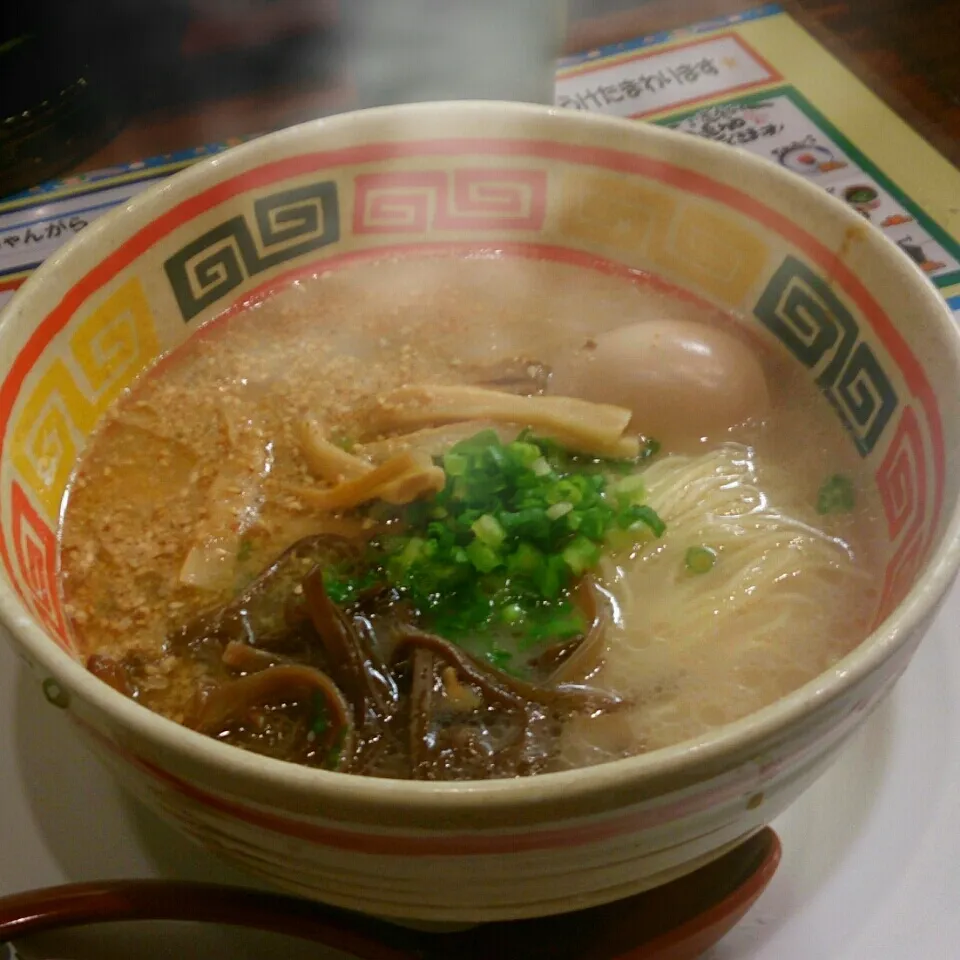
column 795, row 265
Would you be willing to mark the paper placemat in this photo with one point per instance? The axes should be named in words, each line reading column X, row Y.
column 756, row 81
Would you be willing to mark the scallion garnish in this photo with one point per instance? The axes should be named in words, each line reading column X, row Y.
column 700, row 559
column 836, row 495
column 503, row 543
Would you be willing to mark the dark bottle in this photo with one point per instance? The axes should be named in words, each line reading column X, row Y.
column 69, row 76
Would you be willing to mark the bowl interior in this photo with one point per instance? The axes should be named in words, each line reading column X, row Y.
column 793, row 265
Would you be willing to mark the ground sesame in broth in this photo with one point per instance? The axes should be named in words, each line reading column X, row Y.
column 325, row 348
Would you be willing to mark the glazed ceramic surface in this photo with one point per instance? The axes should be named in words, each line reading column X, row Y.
column 792, row 263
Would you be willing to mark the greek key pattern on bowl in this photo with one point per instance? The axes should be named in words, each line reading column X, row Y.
column 285, row 225
column 465, row 199
column 902, row 484
column 35, row 549
column 672, row 233
column 106, row 351
column 801, row 310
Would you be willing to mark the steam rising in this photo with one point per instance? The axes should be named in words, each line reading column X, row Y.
column 416, row 50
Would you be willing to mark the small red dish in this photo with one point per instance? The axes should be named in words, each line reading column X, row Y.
column 678, row 921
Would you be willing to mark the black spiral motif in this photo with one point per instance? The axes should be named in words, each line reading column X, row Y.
column 288, row 224
column 296, row 222
column 808, row 318
column 209, row 267
column 864, row 398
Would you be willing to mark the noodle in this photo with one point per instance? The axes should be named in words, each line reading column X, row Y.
column 706, row 649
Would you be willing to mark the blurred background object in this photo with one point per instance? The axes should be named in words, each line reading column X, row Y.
column 58, row 101
column 225, row 48
column 75, row 72
column 401, row 51
column 94, row 83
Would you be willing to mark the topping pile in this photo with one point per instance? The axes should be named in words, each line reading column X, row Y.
column 496, row 553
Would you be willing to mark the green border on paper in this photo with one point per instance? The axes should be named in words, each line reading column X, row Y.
column 854, row 153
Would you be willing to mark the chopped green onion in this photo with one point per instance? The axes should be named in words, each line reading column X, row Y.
column 641, row 514
column 551, row 577
column 526, row 559
column 557, row 510
column 488, row 530
column 455, row 464
column 484, row 558
column 594, row 522
column 581, row 555
column 512, row 613
column 344, row 587
column 630, row 489
column 570, row 490
column 501, row 546
column 541, row 467
column 526, row 454
column 414, row 550
column 836, row 495
column 700, row 559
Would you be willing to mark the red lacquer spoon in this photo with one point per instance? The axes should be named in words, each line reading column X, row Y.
column 678, row 921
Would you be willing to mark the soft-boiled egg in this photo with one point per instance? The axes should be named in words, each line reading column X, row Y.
column 684, row 381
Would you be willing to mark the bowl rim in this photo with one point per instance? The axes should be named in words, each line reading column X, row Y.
column 582, row 783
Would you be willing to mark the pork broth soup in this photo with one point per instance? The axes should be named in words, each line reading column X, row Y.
column 462, row 518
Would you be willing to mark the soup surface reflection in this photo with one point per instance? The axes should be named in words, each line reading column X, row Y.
column 468, row 518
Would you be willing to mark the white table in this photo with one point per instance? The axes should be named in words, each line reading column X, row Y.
column 871, row 867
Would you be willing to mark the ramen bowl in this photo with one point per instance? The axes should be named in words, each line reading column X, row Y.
column 796, row 266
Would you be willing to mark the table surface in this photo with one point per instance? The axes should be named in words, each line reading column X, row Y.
column 907, row 51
